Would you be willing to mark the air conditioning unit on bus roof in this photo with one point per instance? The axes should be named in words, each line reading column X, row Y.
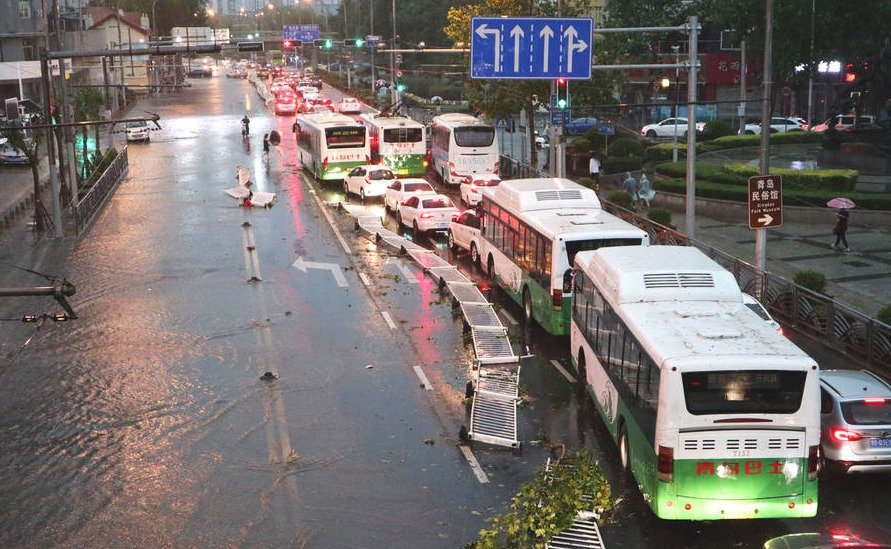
column 524, row 195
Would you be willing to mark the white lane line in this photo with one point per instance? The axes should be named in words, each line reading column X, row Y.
column 327, row 215
column 474, row 465
column 388, row 320
column 423, row 377
column 563, row 371
column 364, row 278
column 509, row 318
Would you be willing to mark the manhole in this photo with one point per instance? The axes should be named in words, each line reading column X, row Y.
column 857, row 264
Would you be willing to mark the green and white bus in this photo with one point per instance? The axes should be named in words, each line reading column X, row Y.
column 398, row 142
column 329, row 145
column 715, row 414
column 531, row 231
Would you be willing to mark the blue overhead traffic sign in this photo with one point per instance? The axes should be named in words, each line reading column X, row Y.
column 606, row 129
column 531, row 47
column 305, row 33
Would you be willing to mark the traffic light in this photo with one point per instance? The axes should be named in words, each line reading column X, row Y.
column 287, row 44
column 562, row 94
column 850, row 75
column 323, row 43
column 400, row 87
column 356, row 42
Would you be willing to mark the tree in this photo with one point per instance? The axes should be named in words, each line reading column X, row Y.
column 87, row 103
column 170, row 13
column 28, row 141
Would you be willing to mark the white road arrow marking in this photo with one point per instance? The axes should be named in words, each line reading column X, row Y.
column 406, row 272
column 517, row 33
column 335, row 269
column 571, row 34
column 546, row 34
column 766, row 220
column 482, row 31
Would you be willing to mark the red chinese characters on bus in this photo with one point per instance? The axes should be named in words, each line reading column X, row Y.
column 733, row 468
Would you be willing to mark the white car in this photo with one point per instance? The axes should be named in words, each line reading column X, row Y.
column 11, row 155
column 464, row 233
column 777, row 125
column 401, row 189
column 137, row 130
column 310, row 93
column 349, row 105
column 368, row 180
column 668, row 127
column 426, row 213
column 471, row 187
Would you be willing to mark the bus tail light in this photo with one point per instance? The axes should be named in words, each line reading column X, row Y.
column 325, row 164
column 557, row 299
column 813, row 462
column 843, row 435
column 367, row 159
column 426, row 164
column 666, row 464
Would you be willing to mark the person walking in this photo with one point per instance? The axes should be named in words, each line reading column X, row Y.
column 841, row 227
column 630, row 187
column 594, row 171
column 645, row 190
column 266, row 145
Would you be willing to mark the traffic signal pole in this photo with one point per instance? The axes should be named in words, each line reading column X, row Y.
column 764, row 157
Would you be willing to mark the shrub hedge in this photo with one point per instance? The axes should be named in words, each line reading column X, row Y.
column 835, row 180
column 708, row 172
column 625, row 147
column 619, row 165
column 662, row 151
column 620, row 198
column 812, row 280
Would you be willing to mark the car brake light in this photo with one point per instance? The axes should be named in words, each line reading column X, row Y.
column 813, row 462
column 426, row 216
column 557, row 298
column 426, row 163
column 666, row 464
column 474, row 190
column 843, row 435
column 873, row 401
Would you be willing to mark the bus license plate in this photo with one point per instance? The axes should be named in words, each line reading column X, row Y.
column 880, row 443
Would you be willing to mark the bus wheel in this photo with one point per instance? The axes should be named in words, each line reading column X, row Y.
column 527, row 306
column 474, row 255
column 624, row 449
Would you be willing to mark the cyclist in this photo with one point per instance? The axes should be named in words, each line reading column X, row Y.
column 245, row 126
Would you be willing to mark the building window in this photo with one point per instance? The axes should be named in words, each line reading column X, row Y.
column 25, row 9
column 27, row 52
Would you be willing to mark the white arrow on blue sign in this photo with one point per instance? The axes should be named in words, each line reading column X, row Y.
column 531, row 47
column 306, row 33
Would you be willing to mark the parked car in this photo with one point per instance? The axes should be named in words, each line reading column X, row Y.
column 778, row 124
column 470, row 187
column 9, row 154
column 137, row 130
column 368, row 180
column 541, row 141
column 464, row 234
column 349, row 105
column 855, row 420
column 401, row 189
column 668, row 127
column 845, row 122
column 426, row 213
column 581, row 125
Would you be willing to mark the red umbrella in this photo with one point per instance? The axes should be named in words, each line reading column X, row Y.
column 841, row 203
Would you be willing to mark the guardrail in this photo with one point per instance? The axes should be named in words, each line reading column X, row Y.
column 832, row 323
column 88, row 206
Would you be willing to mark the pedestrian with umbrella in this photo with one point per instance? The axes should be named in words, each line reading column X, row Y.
column 841, row 222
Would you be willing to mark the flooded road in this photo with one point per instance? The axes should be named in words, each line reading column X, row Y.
column 146, row 422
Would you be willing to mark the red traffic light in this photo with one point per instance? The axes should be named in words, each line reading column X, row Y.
column 287, row 44
column 561, row 81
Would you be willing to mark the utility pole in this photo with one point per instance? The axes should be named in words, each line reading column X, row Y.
column 810, row 70
column 741, row 111
column 692, row 77
column 764, row 158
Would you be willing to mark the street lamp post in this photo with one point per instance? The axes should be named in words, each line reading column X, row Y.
column 677, row 61
column 393, row 94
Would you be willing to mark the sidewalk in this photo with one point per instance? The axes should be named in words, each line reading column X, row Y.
column 860, row 278
column 17, row 198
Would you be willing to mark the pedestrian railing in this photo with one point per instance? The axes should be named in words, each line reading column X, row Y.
column 511, row 168
column 88, row 206
column 865, row 340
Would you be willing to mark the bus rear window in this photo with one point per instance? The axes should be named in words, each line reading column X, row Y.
column 474, row 136
column 339, row 138
column 575, row 246
column 743, row 391
column 403, row 135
